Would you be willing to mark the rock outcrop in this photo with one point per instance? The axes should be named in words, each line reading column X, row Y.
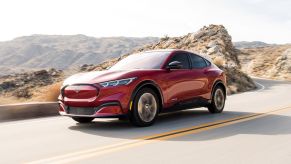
column 213, row 41
column 282, row 67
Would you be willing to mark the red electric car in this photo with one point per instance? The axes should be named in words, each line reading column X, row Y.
column 142, row 85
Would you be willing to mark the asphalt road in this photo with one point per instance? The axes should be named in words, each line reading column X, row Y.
column 254, row 128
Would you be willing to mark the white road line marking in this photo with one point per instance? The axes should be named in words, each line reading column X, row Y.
column 261, row 85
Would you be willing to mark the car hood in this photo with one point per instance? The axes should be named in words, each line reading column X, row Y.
column 97, row 77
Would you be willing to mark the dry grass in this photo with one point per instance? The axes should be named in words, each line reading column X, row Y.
column 53, row 92
column 48, row 93
column 43, row 94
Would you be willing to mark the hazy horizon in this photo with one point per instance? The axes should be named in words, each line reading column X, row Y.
column 246, row 20
column 125, row 37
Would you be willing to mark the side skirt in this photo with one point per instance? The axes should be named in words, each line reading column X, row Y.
column 188, row 104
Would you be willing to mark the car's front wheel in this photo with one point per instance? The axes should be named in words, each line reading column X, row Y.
column 145, row 108
column 83, row 119
column 217, row 101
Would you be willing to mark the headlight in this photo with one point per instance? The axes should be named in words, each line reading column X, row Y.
column 117, row 82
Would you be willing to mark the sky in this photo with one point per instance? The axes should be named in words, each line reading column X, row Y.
column 245, row 20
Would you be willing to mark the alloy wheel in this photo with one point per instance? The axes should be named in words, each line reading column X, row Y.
column 147, row 107
column 219, row 99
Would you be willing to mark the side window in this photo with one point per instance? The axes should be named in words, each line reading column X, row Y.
column 197, row 61
column 183, row 58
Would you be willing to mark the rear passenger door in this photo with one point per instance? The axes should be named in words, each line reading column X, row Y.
column 199, row 77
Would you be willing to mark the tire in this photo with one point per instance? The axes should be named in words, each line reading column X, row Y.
column 145, row 108
column 217, row 100
column 83, row 120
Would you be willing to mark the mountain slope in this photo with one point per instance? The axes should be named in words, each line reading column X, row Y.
column 62, row 52
column 253, row 44
column 268, row 62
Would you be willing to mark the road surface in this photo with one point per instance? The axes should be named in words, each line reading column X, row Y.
column 254, row 128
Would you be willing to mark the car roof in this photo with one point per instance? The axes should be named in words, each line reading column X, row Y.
column 161, row 50
column 174, row 50
column 179, row 50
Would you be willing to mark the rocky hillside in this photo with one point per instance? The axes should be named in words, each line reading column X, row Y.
column 62, row 52
column 268, row 62
column 27, row 86
column 211, row 41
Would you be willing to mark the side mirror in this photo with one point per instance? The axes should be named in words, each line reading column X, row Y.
column 175, row 65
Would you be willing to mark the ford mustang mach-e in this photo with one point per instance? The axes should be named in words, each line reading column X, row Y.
column 142, row 85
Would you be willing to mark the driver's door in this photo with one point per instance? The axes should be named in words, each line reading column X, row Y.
column 179, row 83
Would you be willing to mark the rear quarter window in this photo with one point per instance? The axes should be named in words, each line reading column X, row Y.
column 208, row 63
column 198, row 62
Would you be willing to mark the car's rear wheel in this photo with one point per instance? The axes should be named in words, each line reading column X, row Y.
column 217, row 101
column 83, row 119
column 145, row 108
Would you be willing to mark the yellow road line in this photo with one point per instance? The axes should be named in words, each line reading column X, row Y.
column 77, row 156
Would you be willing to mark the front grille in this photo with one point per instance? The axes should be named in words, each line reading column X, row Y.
column 80, row 91
column 80, row 111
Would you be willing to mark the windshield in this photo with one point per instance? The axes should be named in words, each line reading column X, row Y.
column 144, row 60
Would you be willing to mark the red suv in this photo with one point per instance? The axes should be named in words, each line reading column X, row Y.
column 142, row 85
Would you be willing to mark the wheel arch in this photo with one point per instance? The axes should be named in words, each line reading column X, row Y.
column 216, row 84
column 153, row 86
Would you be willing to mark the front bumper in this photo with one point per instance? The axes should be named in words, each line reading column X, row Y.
column 91, row 100
column 106, row 110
